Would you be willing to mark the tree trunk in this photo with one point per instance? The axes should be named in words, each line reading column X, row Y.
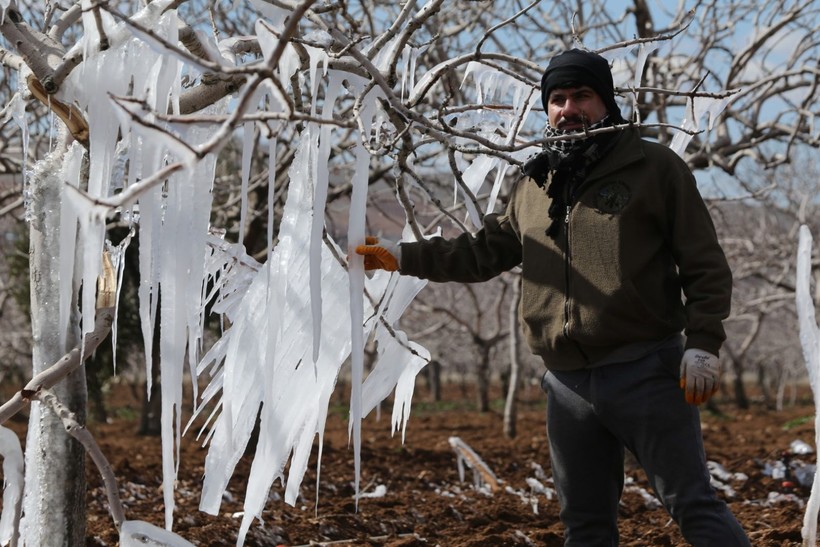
column 433, row 369
column 740, row 391
column 511, row 404
column 54, row 503
column 483, row 379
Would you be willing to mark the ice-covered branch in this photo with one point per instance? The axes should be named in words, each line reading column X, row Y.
column 40, row 53
column 433, row 75
column 482, row 474
column 71, row 361
column 431, row 8
column 133, row 192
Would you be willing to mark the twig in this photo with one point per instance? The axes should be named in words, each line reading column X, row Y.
column 104, row 43
column 690, row 16
column 501, row 24
column 429, row 9
column 81, row 434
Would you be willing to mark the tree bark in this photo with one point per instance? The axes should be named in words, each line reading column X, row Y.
column 511, row 404
column 483, row 378
column 54, row 503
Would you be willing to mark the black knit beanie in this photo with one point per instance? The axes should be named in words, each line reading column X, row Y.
column 576, row 67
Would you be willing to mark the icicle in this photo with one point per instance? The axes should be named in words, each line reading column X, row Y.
column 473, row 178
column 682, row 137
column 118, row 259
column 319, row 201
column 69, row 175
column 622, row 75
column 317, row 57
column 355, row 234
column 696, row 108
column 644, row 51
column 16, row 109
column 398, row 360
column 711, row 107
column 248, row 144
column 29, row 530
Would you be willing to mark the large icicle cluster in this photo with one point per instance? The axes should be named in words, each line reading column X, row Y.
column 283, row 351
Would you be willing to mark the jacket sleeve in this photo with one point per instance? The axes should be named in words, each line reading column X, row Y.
column 704, row 273
column 468, row 258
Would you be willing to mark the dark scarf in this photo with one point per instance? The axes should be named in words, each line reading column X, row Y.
column 569, row 161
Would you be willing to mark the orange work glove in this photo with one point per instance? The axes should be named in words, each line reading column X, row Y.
column 699, row 375
column 379, row 254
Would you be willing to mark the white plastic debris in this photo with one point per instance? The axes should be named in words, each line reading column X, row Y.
column 799, row 447
column 649, row 501
column 137, row 533
column 379, row 492
column 721, row 473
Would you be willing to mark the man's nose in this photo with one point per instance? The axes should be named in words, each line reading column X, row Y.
column 570, row 108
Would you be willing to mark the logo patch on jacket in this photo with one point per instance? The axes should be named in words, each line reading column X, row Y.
column 612, row 198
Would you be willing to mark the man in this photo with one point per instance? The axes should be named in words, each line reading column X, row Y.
column 609, row 230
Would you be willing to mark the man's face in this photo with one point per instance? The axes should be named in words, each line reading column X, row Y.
column 572, row 108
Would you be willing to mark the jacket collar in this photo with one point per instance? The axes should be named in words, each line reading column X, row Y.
column 628, row 149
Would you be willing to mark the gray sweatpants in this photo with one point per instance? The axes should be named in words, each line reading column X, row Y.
column 593, row 414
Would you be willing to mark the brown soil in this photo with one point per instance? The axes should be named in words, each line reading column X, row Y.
column 426, row 503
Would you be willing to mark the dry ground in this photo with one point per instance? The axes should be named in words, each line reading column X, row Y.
column 425, row 501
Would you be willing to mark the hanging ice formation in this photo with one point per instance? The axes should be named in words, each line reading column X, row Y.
column 498, row 125
column 172, row 227
column 280, row 363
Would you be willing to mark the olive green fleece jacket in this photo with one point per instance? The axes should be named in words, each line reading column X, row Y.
column 637, row 259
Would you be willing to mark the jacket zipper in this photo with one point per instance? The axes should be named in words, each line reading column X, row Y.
column 567, row 266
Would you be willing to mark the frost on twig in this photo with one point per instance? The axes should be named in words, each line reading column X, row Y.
column 483, row 477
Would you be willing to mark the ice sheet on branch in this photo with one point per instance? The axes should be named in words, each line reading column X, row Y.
column 263, row 366
column 495, row 122
column 696, row 108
